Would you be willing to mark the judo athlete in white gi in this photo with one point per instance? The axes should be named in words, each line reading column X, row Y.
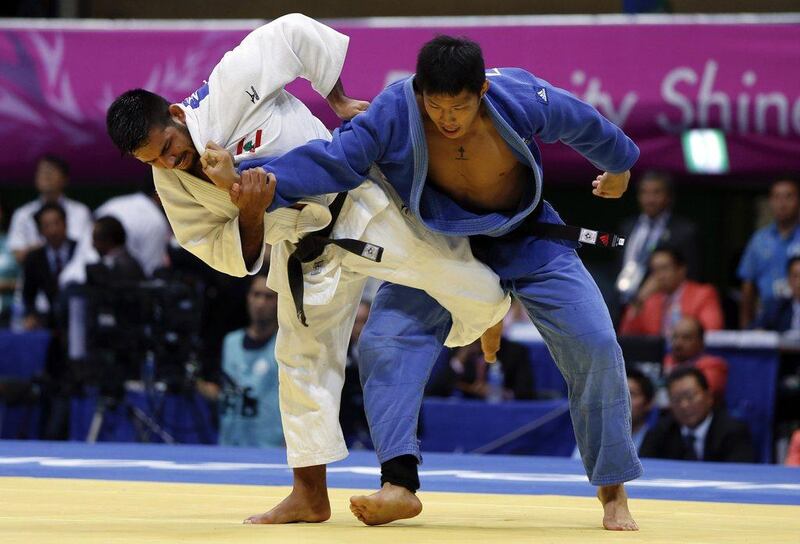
column 246, row 110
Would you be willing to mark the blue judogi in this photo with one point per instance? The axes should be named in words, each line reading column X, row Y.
column 406, row 328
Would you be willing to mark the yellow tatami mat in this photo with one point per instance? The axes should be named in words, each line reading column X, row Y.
column 53, row 511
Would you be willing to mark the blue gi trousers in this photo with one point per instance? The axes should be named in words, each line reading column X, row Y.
column 404, row 335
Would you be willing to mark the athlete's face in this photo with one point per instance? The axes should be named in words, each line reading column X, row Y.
column 454, row 115
column 169, row 146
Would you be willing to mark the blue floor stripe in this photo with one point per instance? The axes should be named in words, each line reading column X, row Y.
column 671, row 480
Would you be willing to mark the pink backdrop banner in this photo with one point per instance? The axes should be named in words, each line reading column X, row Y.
column 653, row 80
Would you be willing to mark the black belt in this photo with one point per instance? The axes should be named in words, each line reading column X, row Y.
column 576, row 234
column 312, row 245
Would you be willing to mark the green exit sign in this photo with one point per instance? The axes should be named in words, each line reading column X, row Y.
column 705, row 151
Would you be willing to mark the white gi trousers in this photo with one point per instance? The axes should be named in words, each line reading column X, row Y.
column 312, row 359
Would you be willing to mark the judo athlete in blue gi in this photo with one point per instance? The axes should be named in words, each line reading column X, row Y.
column 457, row 143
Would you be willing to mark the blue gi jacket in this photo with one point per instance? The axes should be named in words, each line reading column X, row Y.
column 391, row 134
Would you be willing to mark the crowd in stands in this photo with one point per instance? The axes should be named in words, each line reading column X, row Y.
column 55, row 245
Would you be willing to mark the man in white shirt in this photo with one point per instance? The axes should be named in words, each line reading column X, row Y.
column 146, row 230
column 245, row 109
column 52, row 174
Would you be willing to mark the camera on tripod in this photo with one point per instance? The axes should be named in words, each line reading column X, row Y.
column 122, row 331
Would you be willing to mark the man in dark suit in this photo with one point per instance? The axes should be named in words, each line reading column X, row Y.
column 783, row 314
column 116, row 263
column 693, row 430
column 42, row 266
column 655, row 225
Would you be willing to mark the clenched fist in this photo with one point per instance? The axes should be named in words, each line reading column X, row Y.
column 217, row 164
column 608, row 185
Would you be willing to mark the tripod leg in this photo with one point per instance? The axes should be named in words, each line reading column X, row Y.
column 97, row 421
column 149, row 423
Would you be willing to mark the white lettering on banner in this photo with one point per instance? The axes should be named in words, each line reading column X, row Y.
column 707, row 98
column 749, row 110
column 671, row 96
column 165, row 465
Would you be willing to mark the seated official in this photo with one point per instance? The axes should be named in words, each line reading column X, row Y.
column 783, row 314
column 693, row 430
column 688, row 350
column 667, row 296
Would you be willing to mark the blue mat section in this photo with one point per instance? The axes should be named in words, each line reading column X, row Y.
column 671, row 480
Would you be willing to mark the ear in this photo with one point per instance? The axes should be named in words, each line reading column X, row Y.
column 177, row 113
column 484, row 87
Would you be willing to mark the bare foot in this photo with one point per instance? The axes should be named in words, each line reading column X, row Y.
column 389, row 504
column 616, row 516
column 307, row 502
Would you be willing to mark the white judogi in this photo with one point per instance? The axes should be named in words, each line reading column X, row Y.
column 312, row 359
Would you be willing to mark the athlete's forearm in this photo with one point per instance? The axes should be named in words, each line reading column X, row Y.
column 251, row 232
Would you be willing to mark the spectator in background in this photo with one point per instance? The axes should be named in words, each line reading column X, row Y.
column 116, row 264
column 351, row 413
column 783, row 314
column 688, row 351
column 8, row 272
column 655, row 225
column 763, row 265
column 146, row 229
column 468, row 373
column 43, row 265
column 249, row 412
column 52, row 174
column 694, row 430
column 662, row 302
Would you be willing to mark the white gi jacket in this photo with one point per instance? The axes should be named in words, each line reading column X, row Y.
column 244, row 108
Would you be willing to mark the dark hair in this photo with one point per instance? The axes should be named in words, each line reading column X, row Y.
column 684, row 372
column 109, row 229
column 131, row 117
column 659, row 175
column 644, row 382
column 793, row 259
column 785, row 179
column 448, row 65
column 49, row 207
column 58, row 162
column 675, row 253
